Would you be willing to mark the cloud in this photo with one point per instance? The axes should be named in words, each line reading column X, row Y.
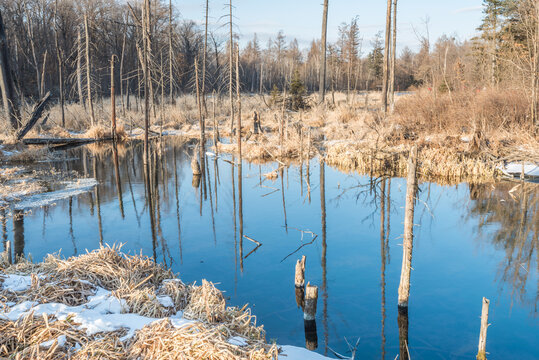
column 468, row 9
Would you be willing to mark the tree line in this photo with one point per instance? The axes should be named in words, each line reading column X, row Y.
column 66, row 46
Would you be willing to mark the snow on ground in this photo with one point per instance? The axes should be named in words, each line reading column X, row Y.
column 515, row 168
column 71, row 188
column 16, row 282
column 104, row 313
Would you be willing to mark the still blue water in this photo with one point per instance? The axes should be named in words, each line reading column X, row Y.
column 469, row 242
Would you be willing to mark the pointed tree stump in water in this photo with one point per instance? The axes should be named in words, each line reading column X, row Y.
column 481, row 352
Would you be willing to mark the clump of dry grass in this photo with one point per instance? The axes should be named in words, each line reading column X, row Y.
column 108, row 268
column 194, row 341
column 139, row 281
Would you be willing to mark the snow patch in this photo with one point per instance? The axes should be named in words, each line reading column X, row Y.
column 72, row 188
column 515, row 168
column 17, row 282
column 238, row 341
column 61, row 342
column 166, row 301
column 296, row 353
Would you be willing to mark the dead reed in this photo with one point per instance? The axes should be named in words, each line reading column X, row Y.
column 140, row 282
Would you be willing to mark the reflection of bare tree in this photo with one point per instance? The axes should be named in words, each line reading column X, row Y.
column 18, row 233
column 96, row 189
column 324, row 253
column 514, row 207
column 383, row 268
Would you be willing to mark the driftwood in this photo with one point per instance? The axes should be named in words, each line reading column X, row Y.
column 56, row 141
column 36, row 115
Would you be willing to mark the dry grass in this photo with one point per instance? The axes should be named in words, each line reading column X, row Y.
column 139, row 281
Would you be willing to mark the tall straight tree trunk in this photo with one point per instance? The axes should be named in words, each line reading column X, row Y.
column 238, row 97
column 79, row 68
column 204, row 60
column 42, row 85
column 231, row 70
column 60, row 62
column 29, row 29
column 170, row 55
column 393, row 59
column 145, row 74
column 322, row 88
column 88, row 78
column 387, row 51
column 122, row 68
column 11, row 103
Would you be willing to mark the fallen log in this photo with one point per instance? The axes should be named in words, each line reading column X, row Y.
column 57, row 141
column 36, row 115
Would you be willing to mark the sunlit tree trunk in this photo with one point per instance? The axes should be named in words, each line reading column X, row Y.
column 387, row 51
column 322, row 88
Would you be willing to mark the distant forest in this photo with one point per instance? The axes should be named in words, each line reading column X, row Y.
column 72, row 42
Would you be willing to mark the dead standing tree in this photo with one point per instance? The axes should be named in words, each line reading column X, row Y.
column 387, row 51
column 391, row 89
column 11, row 104
column 88, row 70
column 231, row 70
column 323, row 53
column 59, row 58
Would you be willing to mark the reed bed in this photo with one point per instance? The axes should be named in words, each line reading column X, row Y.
column 139, row 282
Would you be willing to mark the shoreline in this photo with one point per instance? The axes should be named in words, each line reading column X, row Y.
column 109, row 304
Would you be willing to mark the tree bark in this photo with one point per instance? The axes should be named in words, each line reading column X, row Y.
column 88, row 76
column 408, row 241
column 387, row 51
column 322, row 88
column 231, row 71
column 60, row 63
column 393, row 59
column 11, row 103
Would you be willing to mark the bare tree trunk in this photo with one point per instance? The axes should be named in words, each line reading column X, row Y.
column 11, row 104
column 112, row 99
column 170, row 55
column 122, row 69
column 322, row 89
column 238, row 96
column 204, row 56
column 261, row 76
column 42, row 85
column 145, row 72
column 393, row 59
column 60, row 62
column 408, row 241
column 29, row 29
column 88, row 77
column 79, row 67
column 387, row 51
column 230, row 70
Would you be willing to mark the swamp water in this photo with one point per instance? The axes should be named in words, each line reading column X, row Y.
column 470, row 241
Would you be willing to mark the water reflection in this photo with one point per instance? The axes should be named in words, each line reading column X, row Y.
column 199, row 232
column 513, row 207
